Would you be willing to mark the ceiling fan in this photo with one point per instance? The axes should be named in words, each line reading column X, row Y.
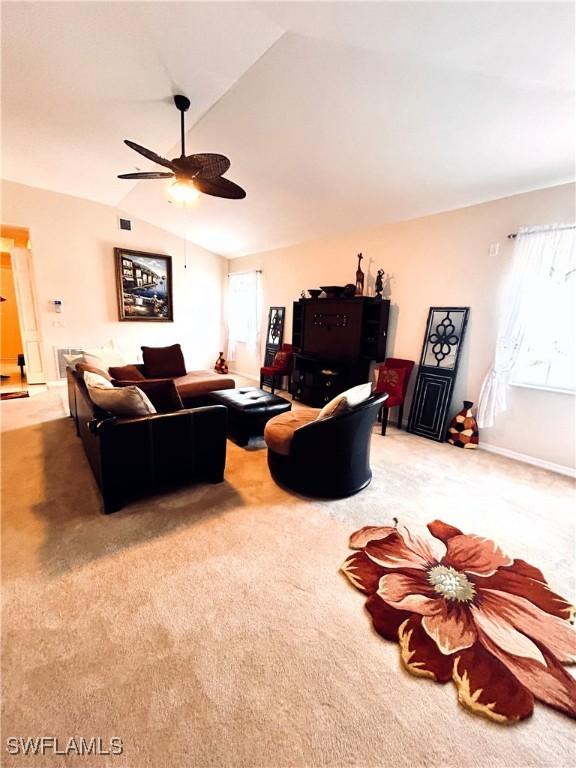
column 193, row 173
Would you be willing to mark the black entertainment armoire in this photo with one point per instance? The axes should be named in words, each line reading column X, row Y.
column 335, row 341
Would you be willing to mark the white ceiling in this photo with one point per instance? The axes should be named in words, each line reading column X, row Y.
column 335, row 116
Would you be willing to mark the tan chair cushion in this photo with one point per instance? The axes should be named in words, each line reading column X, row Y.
column 199, row 383
column 279, row 431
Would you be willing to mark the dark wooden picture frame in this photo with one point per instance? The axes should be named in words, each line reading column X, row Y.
column 144, row 286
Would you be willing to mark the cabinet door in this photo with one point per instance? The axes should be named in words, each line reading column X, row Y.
column 375, row 329
column 297, row 324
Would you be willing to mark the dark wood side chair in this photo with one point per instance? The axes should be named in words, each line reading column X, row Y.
column 393, row 379
column 281, row 366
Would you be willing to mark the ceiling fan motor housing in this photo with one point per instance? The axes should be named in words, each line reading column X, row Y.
column 182, row 103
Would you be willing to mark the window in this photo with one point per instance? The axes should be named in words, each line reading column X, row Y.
column 244, row 309
column 547, row 354
column 535, row 344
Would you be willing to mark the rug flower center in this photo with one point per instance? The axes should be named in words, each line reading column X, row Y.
column 451, row 584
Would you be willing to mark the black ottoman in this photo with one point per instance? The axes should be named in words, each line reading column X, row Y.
column 249, row 408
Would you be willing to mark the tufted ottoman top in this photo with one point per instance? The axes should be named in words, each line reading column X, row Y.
column 252, row 401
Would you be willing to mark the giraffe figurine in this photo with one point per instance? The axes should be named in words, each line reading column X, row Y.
column 359, row 278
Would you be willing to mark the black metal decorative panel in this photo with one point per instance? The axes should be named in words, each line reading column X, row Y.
column 445, row 330
column 274, row 337
column 431, row 398
column 275, row 332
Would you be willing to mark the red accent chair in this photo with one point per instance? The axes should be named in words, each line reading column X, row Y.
column 393, row 379
column 281, row 366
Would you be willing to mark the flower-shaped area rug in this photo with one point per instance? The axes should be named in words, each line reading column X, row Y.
column 463, row 610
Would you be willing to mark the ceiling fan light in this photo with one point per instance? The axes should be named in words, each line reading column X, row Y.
column 183, row 191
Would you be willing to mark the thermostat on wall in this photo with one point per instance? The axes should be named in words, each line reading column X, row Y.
column 57, row 305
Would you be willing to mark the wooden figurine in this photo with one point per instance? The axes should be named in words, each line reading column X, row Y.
column 359, row 278
column 378, row 285
column 221, row 366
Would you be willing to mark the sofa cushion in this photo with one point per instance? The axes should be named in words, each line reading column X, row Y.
column 346, row 400
column 200, row 383
column 163, row 362
column 83, row 368
column 126, row 373
column 279, row 431
column 121, row 401
column 162, row 393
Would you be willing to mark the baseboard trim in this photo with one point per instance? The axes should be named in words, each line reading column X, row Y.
column 524, row 457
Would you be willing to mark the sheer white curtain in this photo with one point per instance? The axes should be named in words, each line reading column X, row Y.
column 244, row 310
column 540, row 254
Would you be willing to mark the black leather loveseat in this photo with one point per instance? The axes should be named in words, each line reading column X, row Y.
column 140, row 456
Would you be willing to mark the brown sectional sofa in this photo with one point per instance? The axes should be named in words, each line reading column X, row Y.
column 139, row 456
column 193, row 387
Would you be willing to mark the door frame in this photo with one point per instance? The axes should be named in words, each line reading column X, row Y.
column 27, row 305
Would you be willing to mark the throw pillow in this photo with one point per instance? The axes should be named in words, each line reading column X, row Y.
column 72, row 360
column 346, row 400
column 121, row 401
column 163, row 362
column 391, row 381
column 97, row 380
column 280, row 360
column 126, row 373
column 162, row 394
column 103, row 357
column 83, row 368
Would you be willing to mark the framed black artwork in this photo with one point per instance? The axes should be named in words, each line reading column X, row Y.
column 144, row 286
column 445, row 329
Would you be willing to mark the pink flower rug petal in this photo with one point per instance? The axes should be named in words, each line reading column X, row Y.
column 462, row 609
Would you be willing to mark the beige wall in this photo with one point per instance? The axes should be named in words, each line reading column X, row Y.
column 460, row 258
column 72, row 242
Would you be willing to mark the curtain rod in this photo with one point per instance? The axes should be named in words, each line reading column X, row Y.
column 246, row 272
column 514, row 235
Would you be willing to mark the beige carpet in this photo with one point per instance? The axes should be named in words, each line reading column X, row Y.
column 211, row 627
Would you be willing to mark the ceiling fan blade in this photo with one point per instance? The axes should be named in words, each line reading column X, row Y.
column 150, row 155
column 220, row 188
column 145, row 175
column 211, row 166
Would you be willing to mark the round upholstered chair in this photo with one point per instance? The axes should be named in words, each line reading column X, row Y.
column 329, row 457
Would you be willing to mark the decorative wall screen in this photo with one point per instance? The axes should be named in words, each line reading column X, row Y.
column 274, row 337
column 445, row 331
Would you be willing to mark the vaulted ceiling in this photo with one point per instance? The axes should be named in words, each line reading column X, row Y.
column 335, row 115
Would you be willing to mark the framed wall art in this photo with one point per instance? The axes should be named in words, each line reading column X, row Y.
column 144, row 286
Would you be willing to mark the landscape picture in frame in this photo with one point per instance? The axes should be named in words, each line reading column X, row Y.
column 144, row 285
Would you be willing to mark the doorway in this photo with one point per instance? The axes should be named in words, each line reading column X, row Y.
column 20, row 349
